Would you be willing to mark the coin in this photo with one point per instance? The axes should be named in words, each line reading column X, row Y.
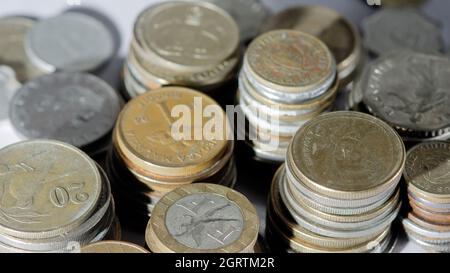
column 203, row 218
column 8, row 86
column 75, row 108
column 71, row 41
column 390, row 29
column 113, row 247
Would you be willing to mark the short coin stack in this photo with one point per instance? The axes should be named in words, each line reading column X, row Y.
column 53, row 197
column 288, row 77
column 200, row 49
column 203, row 218
column 427, row 174
column 149, row 160
column 338, row 189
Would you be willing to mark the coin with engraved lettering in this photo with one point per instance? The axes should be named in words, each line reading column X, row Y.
column 400, row 29
column 203, row 218
column 411, row 92
column 249, row 15
column 8, row 86
column 113, row 247
column 13, row 31
column 71, row 41
column 79, row 109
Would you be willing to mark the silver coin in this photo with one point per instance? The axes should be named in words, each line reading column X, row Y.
column 410, row 91
column 249, row 15
column 392, row 29
column 69, row 42
column 74, row 108
column 8, row 85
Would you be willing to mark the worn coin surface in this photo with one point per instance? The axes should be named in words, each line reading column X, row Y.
column 71, row 41
column 45, row 186
column 348, row 154
column 13, row 31
column 8, row 86
column 410, row 91
column 428, row 169
column 113, row 247
column 187, row 34
column 399, row 29
column 205, row 218
column 75, row 108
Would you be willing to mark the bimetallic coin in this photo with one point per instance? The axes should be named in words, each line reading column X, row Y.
column 71, row 41
column 8, row 86
column 13, row 31
column 45, row 186
column 400, row 29
column 75, row 108
column 112, row 247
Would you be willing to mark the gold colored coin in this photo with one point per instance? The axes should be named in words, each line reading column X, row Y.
column 113, row 247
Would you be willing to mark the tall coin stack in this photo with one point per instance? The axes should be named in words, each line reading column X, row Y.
column 288, row 78
column 192, row 44
column 203, row 218
column 148, row 160
column 53, row 198
column 338, row 190
column 427, row 174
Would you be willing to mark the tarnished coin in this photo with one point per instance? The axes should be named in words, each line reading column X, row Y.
column 75, row 108
column 147, row 123
column 203, row 218
column 410, row 91
column 113, row 247
column 13, row 31
column 249, row 15
column 71, row 41
column 400, row 29
column 428, row 169
column 45, row 186
column 184, row 34
column 8, row 86
column 348, row 155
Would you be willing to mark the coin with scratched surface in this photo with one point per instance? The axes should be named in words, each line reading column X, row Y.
column 75, row 108
column 428, row 169
column 45, row 186
column 204, row 218
column 392, row 29
column 410, row 91
column 348, row 154
column 69, row 42
column 113, row 247
column 187, row 34
column 8, row 86
column 13, row 31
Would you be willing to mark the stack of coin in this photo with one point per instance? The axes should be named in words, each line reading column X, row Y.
column 204, row 218
column 198, row 49
column 75, row 108
column 113, row 247
column 338, row 191
column 427, row 174
column 288, row 77
column 339, row 34
column 391, row 29
column 150, row 158
column 52, row 197
column 409, row 91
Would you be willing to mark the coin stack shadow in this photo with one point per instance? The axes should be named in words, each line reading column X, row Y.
column 278, row 93
column 203, row 218
column 338, row 191
column 63, row 199
column 146, row 161
column 171, row 52
column 428, row 182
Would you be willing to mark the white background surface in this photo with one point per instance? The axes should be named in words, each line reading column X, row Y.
column 124, row 12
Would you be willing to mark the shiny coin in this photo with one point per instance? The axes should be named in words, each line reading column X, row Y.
column 390, row 29
column 69, row 42
column 75, row 108
column 113, row 247
column 8, row 86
